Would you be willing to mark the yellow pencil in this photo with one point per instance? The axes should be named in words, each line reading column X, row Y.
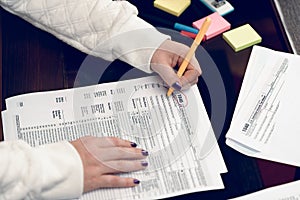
column 192, row 50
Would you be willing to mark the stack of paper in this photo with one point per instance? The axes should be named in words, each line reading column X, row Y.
column 266, row 121
column 288, row 191
column 172, row 129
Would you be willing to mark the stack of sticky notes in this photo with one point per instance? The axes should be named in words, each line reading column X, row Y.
column 218, row 25
column 242, row 37
column 174, row 7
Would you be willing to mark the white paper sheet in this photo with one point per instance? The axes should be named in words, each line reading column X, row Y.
column 269, row 93
column 288, row 191
column 171, row 129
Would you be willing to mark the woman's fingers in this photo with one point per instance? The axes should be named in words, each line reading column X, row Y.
column 189, row 78
column 120, row 166
column 102, row 157
column 169, row 55
column 112, row 181
column 167, row 73
column 118, row 153
column 111, row 148
column 107, row 142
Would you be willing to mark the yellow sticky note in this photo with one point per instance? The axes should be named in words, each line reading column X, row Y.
column 174, row 7
column 242, row 37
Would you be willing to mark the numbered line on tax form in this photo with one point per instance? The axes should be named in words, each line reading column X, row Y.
column 260, row 124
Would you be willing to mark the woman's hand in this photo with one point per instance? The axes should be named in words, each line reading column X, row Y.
column 169, row 55
column 104, row 157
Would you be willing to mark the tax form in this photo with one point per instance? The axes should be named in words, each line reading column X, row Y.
column 265, row 123
column 288, row 191
column 172, row 129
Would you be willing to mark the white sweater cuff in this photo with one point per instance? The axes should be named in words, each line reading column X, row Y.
column 52, row 171
column 64, row 171
column 137, row 47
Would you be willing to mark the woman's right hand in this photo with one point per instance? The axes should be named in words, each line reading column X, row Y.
column 170, row 55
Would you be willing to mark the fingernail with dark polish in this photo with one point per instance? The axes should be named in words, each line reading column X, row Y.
column 135, row 181
column 133, row 144
column 176, row 86
column 144, row 163
column 145, row 153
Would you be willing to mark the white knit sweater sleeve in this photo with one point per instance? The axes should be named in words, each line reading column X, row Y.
column 52, row 171
column 103, row 28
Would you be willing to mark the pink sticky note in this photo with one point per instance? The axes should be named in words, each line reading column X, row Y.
column 218, row 25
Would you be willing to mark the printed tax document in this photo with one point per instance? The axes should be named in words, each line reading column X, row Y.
column 288, row 191
column 171, row 128
column 265, row 123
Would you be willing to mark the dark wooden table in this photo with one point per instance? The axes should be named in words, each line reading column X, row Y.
column 33, row 60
